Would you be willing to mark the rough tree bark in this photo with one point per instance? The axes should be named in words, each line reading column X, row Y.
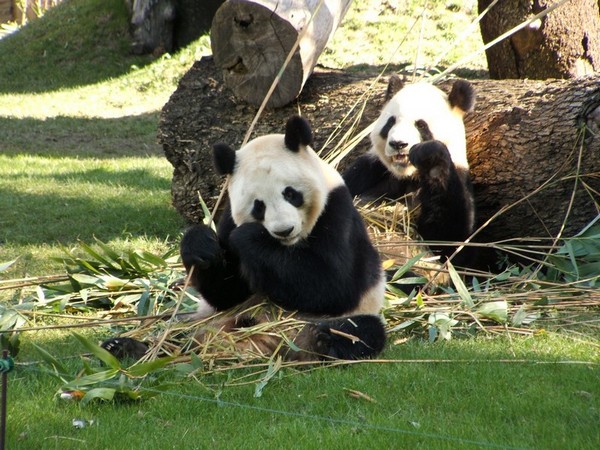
column 250, row 41
column 192, row 19
column 564, row 44
column 151, row 25
column 158, row 26
column 521, row 135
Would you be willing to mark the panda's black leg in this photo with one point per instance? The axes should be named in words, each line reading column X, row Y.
column 350, row 338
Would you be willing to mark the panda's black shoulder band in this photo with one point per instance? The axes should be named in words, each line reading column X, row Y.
column 223, row 159
column 297, row 132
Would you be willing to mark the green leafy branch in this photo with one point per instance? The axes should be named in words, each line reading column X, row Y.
column 109, row 382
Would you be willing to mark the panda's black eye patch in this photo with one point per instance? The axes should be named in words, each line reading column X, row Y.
column 258, row 210
column 293, row 196
column 424, row 130
column 387, row 127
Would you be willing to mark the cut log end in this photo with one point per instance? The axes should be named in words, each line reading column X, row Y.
column 250, row 45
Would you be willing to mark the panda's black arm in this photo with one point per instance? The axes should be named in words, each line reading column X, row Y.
column 364, row 173
column 215, row 268
column 444, row 196
column 370, row 178
column 325, row 274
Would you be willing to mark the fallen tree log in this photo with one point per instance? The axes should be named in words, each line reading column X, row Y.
column 250, row 41
column 532, row 145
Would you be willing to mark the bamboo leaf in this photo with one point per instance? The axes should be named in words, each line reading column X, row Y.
column 496, row 311
column 154, row 259
column 58, row 367
column 134, row 262
column 143, row 306
column 274, row 367
column 519, row 316
column 144, row 368
column 106, row 394
column 388, row 264
column 108, row 251
column 86, row 279
column 406, row 267
column 90, row 251
column 113, row 283
column 103, row 355
column 92, row 379
column 419, row 300
column 462, row 290
column 6, row 265
column 442, row 323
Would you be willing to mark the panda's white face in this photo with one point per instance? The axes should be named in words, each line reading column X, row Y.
column 286, row 191
column 418, row 112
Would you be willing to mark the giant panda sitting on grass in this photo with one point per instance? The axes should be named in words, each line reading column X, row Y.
column 418, row 146
column 291, row 234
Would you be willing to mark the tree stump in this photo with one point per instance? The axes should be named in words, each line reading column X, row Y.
column 250, row 41
column 564, row 44
column 521, row 135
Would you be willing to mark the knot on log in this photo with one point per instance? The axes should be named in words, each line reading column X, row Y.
column 238, row 67
column 244, row 22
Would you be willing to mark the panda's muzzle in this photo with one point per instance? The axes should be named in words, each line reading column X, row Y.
column 284, row 233
column 398, row 145
column 400, row 156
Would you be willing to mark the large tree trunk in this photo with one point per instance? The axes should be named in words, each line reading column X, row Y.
column 521, row 135
column 564, row 44
column 157, row 26
column 250, row 41
column 192, row 19
column 151, row 25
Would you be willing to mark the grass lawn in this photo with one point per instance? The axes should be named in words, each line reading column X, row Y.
column 79, row 161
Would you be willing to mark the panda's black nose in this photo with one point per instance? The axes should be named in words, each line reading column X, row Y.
column 284, row 233
column 397, row 145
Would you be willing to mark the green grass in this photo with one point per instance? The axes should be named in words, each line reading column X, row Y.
column 379, row 33
column 478, row 399
column 69, row 55
column 54, row 201
column 79, row 160
column 79, row 155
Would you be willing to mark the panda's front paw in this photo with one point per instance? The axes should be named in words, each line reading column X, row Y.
column 200, row 248
column 430, row 155
column 248, row 235
column 125, row 348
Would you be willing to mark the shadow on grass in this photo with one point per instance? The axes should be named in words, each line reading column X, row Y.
column 75, row 43
column 139, row 180
column 36, row 219
column 67, row 136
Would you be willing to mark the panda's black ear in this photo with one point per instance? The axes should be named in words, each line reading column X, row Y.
column 462, row 95
column 297, row 132
column 223, row 159
column 395, row 85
